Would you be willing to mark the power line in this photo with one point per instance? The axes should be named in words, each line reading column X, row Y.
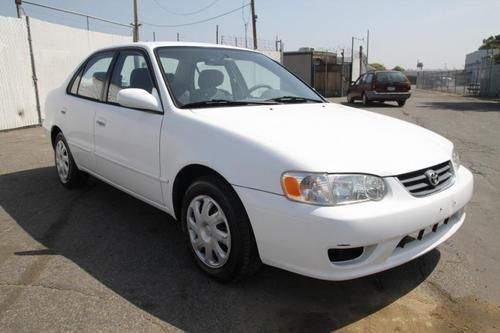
column 76, row 13
column 195, row 22
column 185, row 13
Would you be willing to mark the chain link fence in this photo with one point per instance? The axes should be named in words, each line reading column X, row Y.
column 479, row 79
column 247, row 42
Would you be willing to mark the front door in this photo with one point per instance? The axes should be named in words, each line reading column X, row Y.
column 127, row 141
column 357, row 87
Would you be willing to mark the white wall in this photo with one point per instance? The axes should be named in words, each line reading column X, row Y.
column 57, row 50
column 17, row 95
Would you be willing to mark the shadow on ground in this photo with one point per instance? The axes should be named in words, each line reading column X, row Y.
column 137, row 252
column 476, row 106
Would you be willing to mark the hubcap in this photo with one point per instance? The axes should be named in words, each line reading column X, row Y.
column 62, row 161
column 208, row 231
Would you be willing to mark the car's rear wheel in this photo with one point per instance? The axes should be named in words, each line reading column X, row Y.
column 401, row 103
column 218, row 231
column 366, row 101
column 68, row 172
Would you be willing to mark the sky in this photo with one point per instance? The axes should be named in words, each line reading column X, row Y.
column 439, row 33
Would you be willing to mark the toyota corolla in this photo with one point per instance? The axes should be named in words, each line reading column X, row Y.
column 255, row 165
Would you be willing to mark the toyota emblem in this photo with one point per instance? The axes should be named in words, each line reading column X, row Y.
column 432, row 177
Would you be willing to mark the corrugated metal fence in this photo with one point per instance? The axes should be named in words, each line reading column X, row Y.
column 17, row 96
column 57, row 49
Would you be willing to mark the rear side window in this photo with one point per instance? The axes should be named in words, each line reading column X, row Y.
column 94, row 76
column 389, row 77
column 131, row 71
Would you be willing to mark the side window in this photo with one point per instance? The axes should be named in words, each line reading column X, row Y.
column 131, row 71
column 94, row 76
column 369, row 78
column 226, row 84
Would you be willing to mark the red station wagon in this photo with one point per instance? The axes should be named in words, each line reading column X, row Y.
column 380, row 86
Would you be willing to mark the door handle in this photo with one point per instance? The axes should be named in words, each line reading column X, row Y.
column 100, row 122
column 63, row 110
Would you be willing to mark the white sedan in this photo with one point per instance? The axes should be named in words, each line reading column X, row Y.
column 256, row 166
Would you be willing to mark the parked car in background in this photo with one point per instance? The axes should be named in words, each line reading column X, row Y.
column 255, row 165
column 380, row 86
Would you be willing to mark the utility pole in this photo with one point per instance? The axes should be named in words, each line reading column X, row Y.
column 217, row 34
column 136, row 23
column 18, row 7
column 178, row 37
column 154, row 36
column 367, row 44
column 254, row 22
column 326, row 71
column 352, row 51
column 342, row 75
column 246, row 35
column 360, row 59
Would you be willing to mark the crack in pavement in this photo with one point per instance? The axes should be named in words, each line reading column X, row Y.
column 52, row 288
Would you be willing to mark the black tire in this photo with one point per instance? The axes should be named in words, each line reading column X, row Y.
column 72, row 177
column 243, row 259
column 401, row 103
column 365, row 99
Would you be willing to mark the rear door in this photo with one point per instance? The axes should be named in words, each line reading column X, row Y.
column 127, row 141
column 367, row 82
column 85, row 94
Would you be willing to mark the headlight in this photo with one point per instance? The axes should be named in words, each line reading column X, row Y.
column 332, row 189
column 455, row 159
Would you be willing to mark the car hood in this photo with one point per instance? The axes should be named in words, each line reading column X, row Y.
column 332, row 138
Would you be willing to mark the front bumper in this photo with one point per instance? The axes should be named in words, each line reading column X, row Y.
column 387, row 96
column 296, row 237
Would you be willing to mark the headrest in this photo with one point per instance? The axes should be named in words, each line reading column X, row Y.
column 210, row 78
column 140, row 78
column 100, row 76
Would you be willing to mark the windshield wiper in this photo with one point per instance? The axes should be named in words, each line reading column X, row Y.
column 294, row 99
column 224, row 102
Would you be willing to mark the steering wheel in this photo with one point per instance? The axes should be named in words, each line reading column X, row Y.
column 259, row 86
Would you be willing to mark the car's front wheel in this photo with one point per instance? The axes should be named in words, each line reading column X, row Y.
column 350, row 99
column 218, row 231
column 68, row 172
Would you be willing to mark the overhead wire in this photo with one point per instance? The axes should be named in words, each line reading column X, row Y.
column 185, row 13
column 195, row 22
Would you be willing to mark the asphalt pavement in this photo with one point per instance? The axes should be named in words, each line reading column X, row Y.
column 97, row 260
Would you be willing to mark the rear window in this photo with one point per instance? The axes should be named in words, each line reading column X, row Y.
column 391, row 77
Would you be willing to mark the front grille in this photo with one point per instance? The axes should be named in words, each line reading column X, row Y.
column 418, row 183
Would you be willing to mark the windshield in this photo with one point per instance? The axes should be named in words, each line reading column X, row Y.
column 203, row 77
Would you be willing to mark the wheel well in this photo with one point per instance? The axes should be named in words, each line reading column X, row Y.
column 53, row 133
column 186, row 177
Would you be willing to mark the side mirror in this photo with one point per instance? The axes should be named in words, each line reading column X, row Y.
column 138, row 99
column 352, row 83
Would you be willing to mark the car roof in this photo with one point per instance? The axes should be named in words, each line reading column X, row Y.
column 153, row 45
